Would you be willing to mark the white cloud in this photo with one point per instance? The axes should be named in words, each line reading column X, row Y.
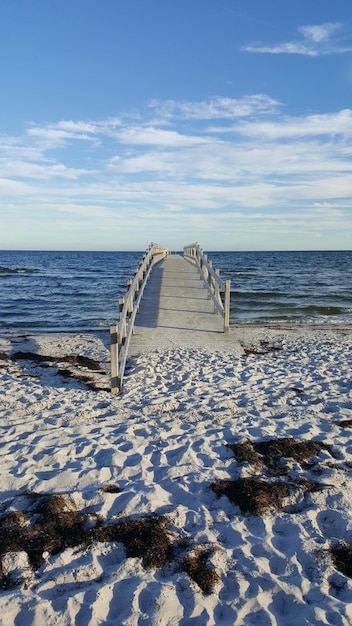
column 320, row 32
column 157, row 136
column 23, row 169
column 14, row 188
column 17, row 147
column 60, row 133
column 282, row 48
column 266, row 169
column 339, row 123
column 316, row 40
column 216, row 108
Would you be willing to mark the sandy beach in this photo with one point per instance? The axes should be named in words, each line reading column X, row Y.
column 216, row 489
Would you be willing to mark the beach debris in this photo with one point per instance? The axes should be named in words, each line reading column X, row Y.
column 87, row 380
column 344, row 423
column 55, row 524
column 110, row 489
column 75, row 361
column 245, row 452
column 5, row 361
column 253, row 495
column 146, row 538
column 341, row 555
column 197, row 567
column 264, row 347
column 274, row 453
column 51, row 523
column 256, row 496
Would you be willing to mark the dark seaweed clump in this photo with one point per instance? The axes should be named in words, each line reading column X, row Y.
column 196, row 566
column 272, row 453
column 51, row 524
column 341, row 555
column 253, row 495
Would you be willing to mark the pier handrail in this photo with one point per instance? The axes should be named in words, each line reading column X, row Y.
column 120, row 333
column 212, row 281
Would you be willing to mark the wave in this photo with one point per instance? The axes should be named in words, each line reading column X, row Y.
column 257, row 296
column 9, row 271
column 322, row 310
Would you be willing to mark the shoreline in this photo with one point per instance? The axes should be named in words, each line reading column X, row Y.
column 163, row 450
column 241, row 328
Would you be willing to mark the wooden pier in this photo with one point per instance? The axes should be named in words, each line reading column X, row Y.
column 173, row 301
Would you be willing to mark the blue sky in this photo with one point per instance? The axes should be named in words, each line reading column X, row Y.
column 228, row 122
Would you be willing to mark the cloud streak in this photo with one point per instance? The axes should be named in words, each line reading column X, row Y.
column 314, row 41
column 215, row 108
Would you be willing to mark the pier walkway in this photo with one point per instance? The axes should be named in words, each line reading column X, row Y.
column 176, row 311
column 173, row 301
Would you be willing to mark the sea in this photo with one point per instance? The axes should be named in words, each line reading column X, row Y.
column 79, row 291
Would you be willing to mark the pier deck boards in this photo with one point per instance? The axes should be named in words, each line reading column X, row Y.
column 175, row 311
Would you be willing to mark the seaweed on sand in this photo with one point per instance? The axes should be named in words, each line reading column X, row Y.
column 253, row 495
column 146, row 538
column 272, row 452
column 196, row 566
column 341, row 555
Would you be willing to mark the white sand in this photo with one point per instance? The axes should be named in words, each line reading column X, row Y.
column 163, row 443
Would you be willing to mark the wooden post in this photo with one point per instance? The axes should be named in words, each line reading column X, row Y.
column 121, row 303
column 210, row 278
column 114, row 353
column 227, row 306
column 217, row 290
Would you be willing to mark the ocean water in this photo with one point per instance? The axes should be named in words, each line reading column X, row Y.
column 307, row 287
column 79, row 291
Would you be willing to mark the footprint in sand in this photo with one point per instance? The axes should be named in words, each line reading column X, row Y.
column 332, row 524
column 286, row 537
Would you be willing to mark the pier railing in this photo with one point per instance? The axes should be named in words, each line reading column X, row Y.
column 120, row 334
column 219, row 290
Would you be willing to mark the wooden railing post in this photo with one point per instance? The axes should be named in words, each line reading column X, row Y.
column 114, row 360
column 217, row 290
column 120, row 334
column 227, row 297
